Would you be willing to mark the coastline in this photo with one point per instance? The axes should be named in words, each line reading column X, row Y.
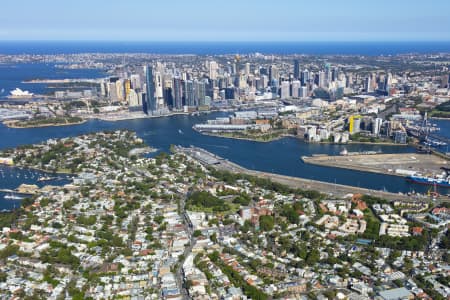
column 295, row 182
column 248, row 139
column 294, row 136
column 10, row 124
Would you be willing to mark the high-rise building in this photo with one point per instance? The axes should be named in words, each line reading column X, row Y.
column 444, row 81
column 321, row 82
column 135, row 81
column 296, row 69
column 213, row 66
column 200, row 92
column 387, row 82
column 177, row 93
column 368, row 84
column 127, row 86
column 304, row 77
column 133, row 99
column 120, row 90
column 190, row 93
column 273, row 73
column 295, row 88
column 247, row 69
column 151, row 100
column 376, row 126
column 285, row 90
column 303, row 93
column 112, row 92
column 354, row 124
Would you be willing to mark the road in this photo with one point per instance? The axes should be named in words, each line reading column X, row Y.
column 179, row 272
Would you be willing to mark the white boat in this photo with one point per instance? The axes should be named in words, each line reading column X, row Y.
column 13, row 197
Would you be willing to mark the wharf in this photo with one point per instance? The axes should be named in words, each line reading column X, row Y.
column 339, row 190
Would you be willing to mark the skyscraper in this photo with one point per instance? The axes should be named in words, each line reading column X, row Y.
column 151, row 100
column 285, row 90
column 177, row 93
column 296, row 69
column 304, row 77
column 321, row 81
column 295, row 88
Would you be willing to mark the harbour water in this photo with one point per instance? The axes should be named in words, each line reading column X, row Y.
column 281, row 156
column 11, row 178
column 15, row 76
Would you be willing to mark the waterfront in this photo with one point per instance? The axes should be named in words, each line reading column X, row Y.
column 12, row 177
column 281, row 156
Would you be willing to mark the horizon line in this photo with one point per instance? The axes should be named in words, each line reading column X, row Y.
column 223, row 41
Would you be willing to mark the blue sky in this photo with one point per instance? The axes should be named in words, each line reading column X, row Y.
column 226, row 20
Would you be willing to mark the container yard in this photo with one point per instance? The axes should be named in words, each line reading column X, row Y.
column 401, row 164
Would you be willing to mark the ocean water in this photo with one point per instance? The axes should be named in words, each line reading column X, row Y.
column 211, row 48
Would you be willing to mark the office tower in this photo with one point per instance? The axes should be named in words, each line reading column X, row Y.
column 177, row 93
column 135, row 81
column 368, row 84
column 349, row 80
column 285, row 90
column 143, row 99
column 354, row 124
column 296, row 69
column 263, row 71
column 334, row 74
column 327, row 74
column 303, row 92
column 133, row 99
column 213, row 66
column 247, row 69
column 304, row 77
column 444, row 81
column 127, row 87
column 200, row 92
column 120, row 90
column 159, row 89
column 190, row 93
column 103, row 88
column 112, row 92
column 264, row 81
column 295, row 88
column 273, row 73
column 388, row 82
column 151, row 100
column 321, row 82
column 258, row 83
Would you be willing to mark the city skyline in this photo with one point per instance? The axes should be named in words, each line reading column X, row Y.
column 233, row 21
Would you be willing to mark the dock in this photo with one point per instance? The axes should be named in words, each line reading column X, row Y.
column 219, row 163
